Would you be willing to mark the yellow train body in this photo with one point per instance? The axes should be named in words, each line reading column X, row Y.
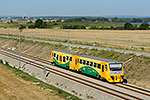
column 110, row 70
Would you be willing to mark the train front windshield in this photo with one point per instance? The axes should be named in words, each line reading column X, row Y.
column 115, row 67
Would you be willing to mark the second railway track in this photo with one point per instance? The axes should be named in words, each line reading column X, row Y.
column 122, row 91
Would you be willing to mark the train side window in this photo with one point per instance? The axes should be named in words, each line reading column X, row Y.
column 60, row 58
column 87, row 63
column 83, row 62
column 57, row 57
column 80, row 61
column 95, row 65
column 91, row 63
column 70, row 58
column 54, row 54
column 99, row 66
column 64, row 59
column 67, row 58
column 106, row 67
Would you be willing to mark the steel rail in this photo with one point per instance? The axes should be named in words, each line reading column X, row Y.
column 10, row 55
column 48, row 62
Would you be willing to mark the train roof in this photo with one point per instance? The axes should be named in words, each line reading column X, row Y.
column 90, row 57
column 66, row 52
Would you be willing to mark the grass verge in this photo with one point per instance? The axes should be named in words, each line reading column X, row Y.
column 26, row 77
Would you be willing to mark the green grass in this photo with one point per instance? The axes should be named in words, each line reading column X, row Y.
column 43, row 85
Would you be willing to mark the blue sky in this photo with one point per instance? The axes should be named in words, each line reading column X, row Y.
column 74, row 7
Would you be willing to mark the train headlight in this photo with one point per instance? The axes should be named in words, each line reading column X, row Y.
column 112, row 77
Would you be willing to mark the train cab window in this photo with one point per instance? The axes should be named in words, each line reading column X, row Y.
column 80, row 61
column 83, row 62
column 64, row 59
column 95, row 65
column 57, row 57
column 91, row 63
column 70, row 58
column 106, row 67
column 60, row 58
column 54, row 54
column 99, row 66
column 67, row 58
column 87, row 63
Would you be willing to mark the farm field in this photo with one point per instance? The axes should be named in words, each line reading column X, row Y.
column 121, row 39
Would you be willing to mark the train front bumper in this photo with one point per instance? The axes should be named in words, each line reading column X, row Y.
column 115, row 78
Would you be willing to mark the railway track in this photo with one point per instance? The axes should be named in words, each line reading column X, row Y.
column 121, row 91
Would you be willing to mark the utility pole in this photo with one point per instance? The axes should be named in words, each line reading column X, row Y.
column 8, row 34
column 68, row 41
column 19, row 50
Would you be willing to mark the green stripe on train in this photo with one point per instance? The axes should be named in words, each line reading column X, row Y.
column 89, row 70
column 62, row 65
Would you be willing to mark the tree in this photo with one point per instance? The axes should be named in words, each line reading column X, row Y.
column 11, row 21
column 111, row 27
column 43, row 25
column 144, row 26
column 22, row 27
column 38, row 22
column 114, row 19
column 127, row 26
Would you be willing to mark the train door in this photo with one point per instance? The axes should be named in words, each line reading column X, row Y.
column 102, row 70
column 60, row 59
column 72, row 62
column 76, row 63
column 52, row 56
column 106, row 71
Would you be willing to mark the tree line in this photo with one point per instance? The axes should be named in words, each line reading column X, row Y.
column 115, row 19
column 127, row 26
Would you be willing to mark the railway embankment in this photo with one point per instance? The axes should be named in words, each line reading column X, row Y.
column 77, row 84
column 17, row 85
column 137, row 66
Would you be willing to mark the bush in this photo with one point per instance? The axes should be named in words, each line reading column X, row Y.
column 31, row 27
column 73, row 27
column 144, row 26
column 119, row 28
column 133, row 28
column 127, row 26
column 94, row 27
column 22, row 27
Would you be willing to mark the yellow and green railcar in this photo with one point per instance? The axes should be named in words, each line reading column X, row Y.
column 110, row 70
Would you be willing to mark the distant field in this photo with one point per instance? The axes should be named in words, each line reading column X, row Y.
column 126, row 39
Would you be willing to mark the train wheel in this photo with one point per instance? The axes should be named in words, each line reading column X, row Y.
column 125, row 80
column 67, row 67
column 54, row 64
column 82, row 72
column 97, row 76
